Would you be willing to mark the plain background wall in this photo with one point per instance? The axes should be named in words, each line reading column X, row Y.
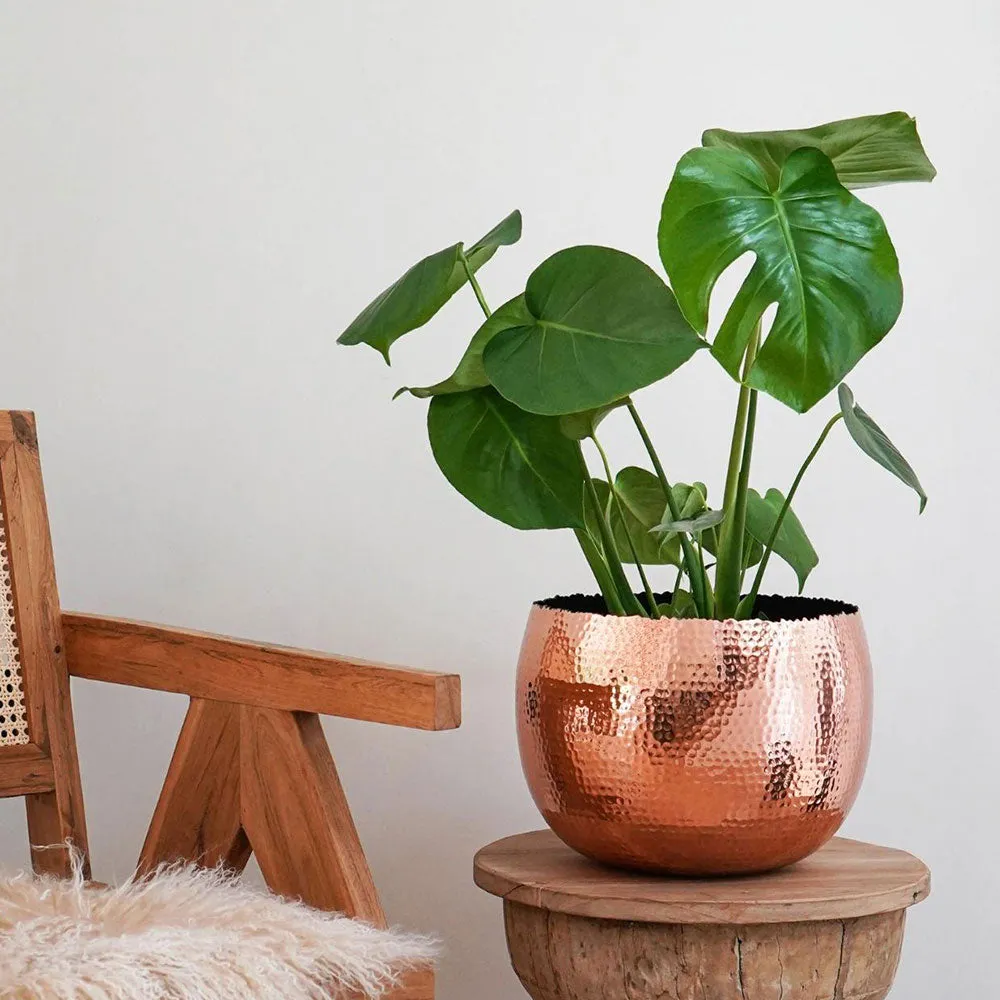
column 197, row 196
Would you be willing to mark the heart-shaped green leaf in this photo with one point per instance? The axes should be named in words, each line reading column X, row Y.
column 469, row 373
column 504, row 234
column 642, row 501
column 516, row 466
column 603, row 324
column 822, row 255
column 681, row 605
column 692, row 502
column 874, row 149
column 410, row 301
column 872, row 440
column 690, row 499
column 791, row 542
column 692, row 505
column 579, row 426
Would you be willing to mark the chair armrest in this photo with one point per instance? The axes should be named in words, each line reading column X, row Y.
column 218, row 668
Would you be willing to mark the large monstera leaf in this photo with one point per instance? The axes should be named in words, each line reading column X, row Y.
column 822, row 255
column 412, row 300
column 602, row 324
column 875, row 149
column 515, row 466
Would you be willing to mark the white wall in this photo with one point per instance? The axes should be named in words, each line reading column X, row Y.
column 196, row 196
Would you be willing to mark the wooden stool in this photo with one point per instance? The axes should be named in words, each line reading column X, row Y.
column 827, row 928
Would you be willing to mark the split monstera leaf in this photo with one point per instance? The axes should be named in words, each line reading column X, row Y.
column 593, row 325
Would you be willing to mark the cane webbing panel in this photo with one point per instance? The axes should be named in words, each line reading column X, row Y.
column 13, row 724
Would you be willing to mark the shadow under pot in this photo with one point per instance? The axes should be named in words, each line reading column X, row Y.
column 690, row 746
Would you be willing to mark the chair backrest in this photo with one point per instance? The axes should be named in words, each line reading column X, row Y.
column 37, row 742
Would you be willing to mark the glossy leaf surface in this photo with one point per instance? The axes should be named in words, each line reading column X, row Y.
column 579, row 426
column 640, row 495
column 821, row 254
column 644, row 502
column 504, row 234
column 469, row 373
column 603, row 324
column 791, row 543
column 517, row 467
column 410, row 301
column 872, row 440
column 867, row 151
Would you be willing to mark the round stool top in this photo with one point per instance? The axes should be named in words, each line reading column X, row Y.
column 844, row 879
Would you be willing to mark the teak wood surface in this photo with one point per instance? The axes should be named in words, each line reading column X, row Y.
column 46, row 771
column 198, row 816
column 26, row 770
column 558, row 956
column 844, row 879
column 251, row 772
column 250, row 673
column 248, row 780
column 828, row 928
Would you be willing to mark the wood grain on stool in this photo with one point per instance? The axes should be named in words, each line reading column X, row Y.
column 829, row 928
column 558, row 956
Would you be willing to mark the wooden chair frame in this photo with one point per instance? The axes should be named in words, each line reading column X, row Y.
column 251, row 772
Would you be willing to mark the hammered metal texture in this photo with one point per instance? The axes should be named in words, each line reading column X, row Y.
column 693, row 747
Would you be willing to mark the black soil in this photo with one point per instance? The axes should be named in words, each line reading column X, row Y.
column 774, row 607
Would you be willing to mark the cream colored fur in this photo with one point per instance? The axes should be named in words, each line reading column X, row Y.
column 186, row 934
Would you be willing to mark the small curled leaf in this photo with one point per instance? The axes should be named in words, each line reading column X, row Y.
column 690, row 525
column 872, row 440
column 681, row 606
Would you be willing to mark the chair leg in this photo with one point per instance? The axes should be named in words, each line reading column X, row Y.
column 248, row 779
column 198, row 815
column 297, row 817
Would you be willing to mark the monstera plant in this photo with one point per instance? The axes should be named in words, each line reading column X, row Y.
column 513, row 426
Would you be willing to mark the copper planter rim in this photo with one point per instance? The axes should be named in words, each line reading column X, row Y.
column 694, row 746
column 593, row 604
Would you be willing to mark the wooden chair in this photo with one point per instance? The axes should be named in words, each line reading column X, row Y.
column 251, row 772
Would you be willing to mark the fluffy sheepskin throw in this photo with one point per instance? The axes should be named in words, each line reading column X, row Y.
column 186, row 933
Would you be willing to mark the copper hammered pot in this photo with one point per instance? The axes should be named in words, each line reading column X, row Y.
column 690, row 746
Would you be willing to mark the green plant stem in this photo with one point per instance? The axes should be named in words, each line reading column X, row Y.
column 650, row 597
column 677, row 584
column 695, row 569
column 740, row 512
column 709, row 594
column 600, row 570
column 471, row 275
column 729, row 567
column 628, row 599
column 785, row 507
